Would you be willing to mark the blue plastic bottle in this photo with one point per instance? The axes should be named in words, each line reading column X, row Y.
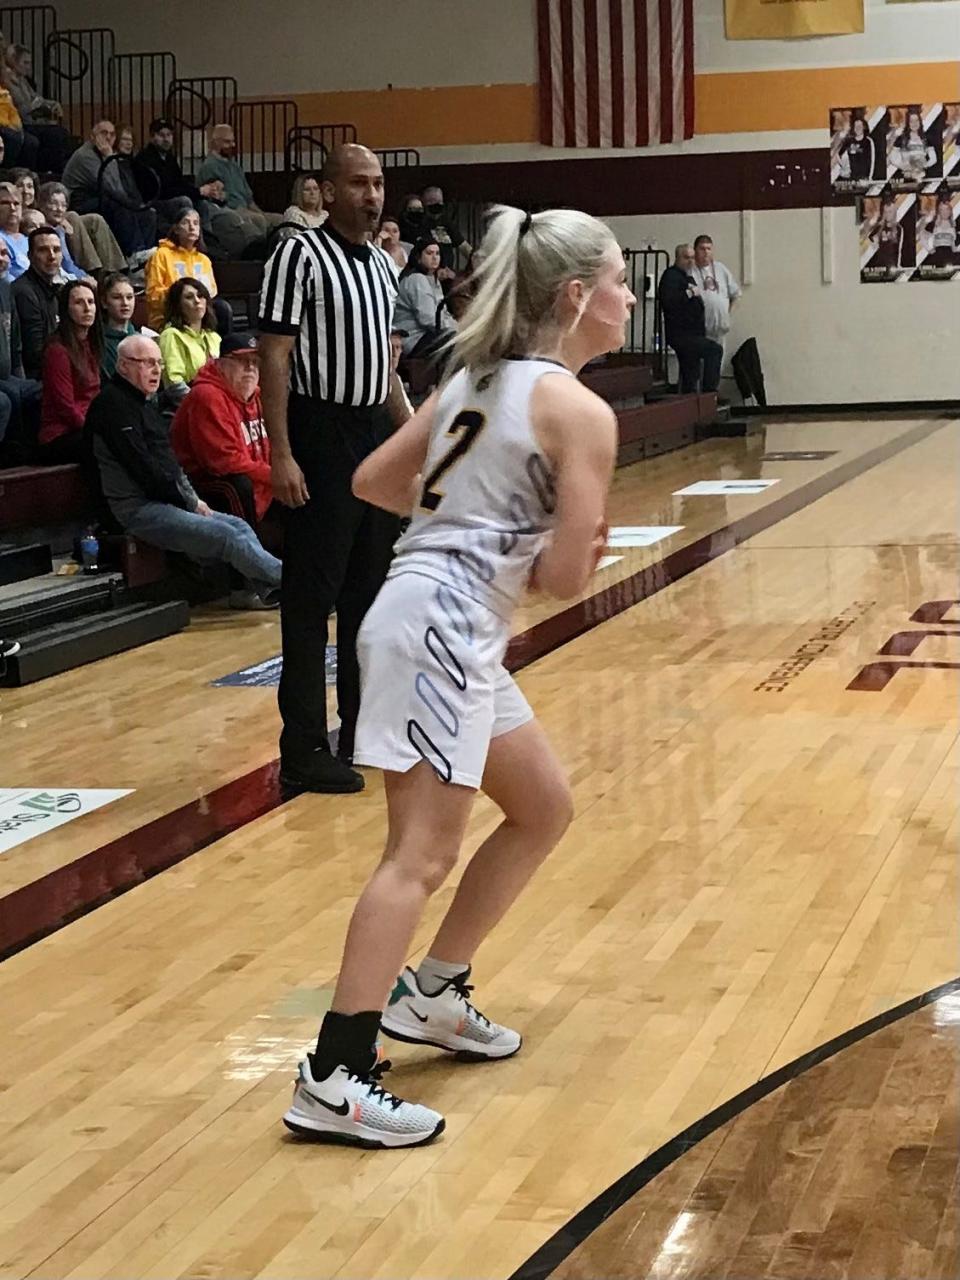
column 89, row 551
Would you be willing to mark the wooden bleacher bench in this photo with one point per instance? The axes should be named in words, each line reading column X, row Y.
column 657, row 428
column 37, row 496
column 240, row 282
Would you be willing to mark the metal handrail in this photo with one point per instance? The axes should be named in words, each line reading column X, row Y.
column 262, row 128
column 645, row 333
column 320, row 137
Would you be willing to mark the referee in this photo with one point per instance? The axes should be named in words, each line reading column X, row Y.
column 329, row 399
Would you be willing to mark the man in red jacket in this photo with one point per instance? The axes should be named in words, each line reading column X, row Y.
column 218, row 430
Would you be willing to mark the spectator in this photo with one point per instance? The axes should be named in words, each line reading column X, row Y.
column 146, row 489
column 19, row 396
column 94, row 178
column 718, row 288
column 71, row 374
column 411, row 221
column 19, row 147
column 92, row 245
column 218, row 430
column 420, row 302
column 41, row 116
column 439, row 221
column 25, row 180
column 117, row 301
column 181, row 257
column 35, row 296
column 160, row 179
column 388, row 238
column 221, row 164
column 11, row 208
column 125, row 141
column 226, row 233
column 683, row 314
column 189, row 338
column 157, row 167
column 306, row 203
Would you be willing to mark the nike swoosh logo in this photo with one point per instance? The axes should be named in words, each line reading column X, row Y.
column 342, row 1110
column 420, row 1016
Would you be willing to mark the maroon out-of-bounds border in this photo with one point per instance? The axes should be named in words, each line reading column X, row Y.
column 34, row 910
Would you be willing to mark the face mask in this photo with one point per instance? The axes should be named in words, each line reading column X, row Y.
column 433, row 210
column 414, row 216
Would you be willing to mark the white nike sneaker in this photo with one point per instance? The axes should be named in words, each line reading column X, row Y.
column 447, row 1020
column 352, row 1108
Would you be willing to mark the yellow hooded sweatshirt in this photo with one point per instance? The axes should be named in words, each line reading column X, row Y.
column 164, row 268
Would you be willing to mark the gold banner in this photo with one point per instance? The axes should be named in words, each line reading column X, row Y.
column 790, row 19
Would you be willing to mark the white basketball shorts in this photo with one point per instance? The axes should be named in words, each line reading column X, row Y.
column 432, row 682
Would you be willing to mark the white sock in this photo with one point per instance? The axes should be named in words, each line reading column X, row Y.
column 433, row 975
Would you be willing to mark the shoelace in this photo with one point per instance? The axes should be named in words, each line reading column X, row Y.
column 463, row 990
column 375, row 1091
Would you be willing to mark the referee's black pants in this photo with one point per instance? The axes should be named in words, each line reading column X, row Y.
column 336, row 554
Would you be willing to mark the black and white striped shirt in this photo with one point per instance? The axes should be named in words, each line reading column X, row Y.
column 337, row 298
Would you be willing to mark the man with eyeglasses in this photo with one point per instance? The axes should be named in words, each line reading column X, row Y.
column 146, row 491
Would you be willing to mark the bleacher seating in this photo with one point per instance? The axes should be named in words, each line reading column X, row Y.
column 32, row 497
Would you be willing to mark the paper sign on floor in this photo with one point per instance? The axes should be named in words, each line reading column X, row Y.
column 635, row 535
column 705, row 488
column 26, row 812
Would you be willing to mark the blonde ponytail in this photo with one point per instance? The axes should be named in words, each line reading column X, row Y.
column 526, row 260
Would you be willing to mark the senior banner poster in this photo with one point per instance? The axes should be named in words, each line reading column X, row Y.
column 791, row 19
column 951, row 144
column 858, row 148
column 914, row 145
column 888, row 238
column 938, row 236
column 908, row 147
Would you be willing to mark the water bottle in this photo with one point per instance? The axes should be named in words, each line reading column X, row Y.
column 89, row 551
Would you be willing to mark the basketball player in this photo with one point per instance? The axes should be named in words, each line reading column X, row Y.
column 506, row 470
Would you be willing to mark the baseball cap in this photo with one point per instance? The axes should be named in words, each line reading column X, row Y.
column 161, row 123
column 239, row 344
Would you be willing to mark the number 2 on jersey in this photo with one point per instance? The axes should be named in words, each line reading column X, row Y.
column 465, row 427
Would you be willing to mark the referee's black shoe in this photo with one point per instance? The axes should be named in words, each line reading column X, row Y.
column 319, row 771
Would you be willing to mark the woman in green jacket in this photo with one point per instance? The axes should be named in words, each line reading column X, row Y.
column 189, row 338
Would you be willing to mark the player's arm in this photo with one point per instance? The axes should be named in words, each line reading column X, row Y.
column 390, row 476
column 578, row 432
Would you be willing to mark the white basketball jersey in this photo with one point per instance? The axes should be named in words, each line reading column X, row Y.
column 487, row 495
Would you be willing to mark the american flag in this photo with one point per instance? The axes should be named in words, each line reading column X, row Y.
column 615, row 73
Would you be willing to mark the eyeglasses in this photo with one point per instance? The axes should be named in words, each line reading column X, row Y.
column 152, row 362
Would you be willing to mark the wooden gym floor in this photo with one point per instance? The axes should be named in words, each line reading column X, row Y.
column 759, row 715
